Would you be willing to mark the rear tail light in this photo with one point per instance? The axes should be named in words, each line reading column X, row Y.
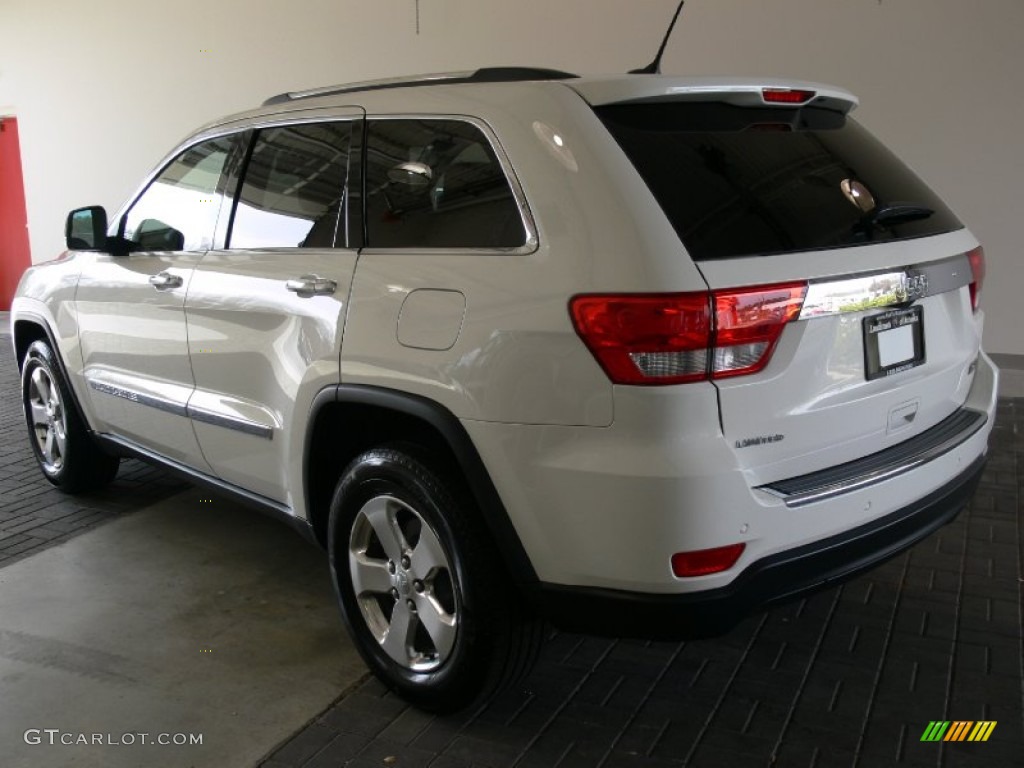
column 977, row 260
column 748, row 323
column 656, row 339
column 786, row 95
column 705, row 561
column 645, row 339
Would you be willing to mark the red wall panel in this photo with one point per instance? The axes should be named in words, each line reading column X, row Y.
column 14, row 249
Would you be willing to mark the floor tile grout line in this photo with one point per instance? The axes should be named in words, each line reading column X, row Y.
column 647, row 695
column 561, row 707
column 966, row 516
column 883, row 657
column 807, row 673
column 725, row 690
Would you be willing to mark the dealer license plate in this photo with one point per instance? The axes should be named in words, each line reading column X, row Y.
column 893, row 342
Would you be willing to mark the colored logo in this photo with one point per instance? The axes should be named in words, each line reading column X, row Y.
column 958, row 730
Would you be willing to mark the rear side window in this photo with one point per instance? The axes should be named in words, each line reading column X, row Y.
column 741, row 182
column 292, row 193
column 437, row 184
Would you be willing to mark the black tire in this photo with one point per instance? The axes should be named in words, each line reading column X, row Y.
column 67, row 455
column 469, row 635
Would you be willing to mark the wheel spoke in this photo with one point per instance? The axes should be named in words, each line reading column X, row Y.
column 428, row 556
column 61, row 440
column 38, row 412
column 41, row 382
column 369, row 576
column 439, row 625
column 381, row 515
column 47, row 447
column 398, row 641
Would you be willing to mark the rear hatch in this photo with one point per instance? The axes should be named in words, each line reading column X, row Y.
column 867, row 333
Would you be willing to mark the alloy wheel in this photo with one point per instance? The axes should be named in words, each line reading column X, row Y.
column 49, row 420
column 404, row 584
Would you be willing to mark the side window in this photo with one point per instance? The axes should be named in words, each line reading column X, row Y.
column 178, row 211
column 437, row 183
column 292, row 193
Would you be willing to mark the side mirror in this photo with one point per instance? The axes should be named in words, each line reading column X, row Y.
column 86, row 229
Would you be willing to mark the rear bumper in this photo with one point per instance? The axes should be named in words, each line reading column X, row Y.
column 773, row 579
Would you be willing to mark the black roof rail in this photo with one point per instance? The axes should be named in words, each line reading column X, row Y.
column 483, row 75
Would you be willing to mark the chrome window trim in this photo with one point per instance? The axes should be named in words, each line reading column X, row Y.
column 525, row 214
column 886, row 288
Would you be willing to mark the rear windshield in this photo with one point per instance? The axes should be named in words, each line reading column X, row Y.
column 738, row 181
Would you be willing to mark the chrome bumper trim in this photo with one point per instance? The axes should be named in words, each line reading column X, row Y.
column 884, row 465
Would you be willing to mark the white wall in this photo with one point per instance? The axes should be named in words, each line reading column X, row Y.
column 103, row 89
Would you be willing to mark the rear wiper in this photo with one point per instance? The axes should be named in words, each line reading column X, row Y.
column 897, row 212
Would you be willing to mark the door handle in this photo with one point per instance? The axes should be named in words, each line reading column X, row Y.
column 163, row 280
column 311, row 285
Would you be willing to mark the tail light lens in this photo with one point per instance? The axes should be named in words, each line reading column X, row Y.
column 647, row 339
column 657, row 339
column 748, row 323
column 977, row 260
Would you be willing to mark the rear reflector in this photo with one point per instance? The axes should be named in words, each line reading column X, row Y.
column 977, row 260
column 786, row 95
column 704, row 561
column 675, row 338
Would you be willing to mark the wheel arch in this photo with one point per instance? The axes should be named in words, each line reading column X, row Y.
column 30, row 329
column 347, row 419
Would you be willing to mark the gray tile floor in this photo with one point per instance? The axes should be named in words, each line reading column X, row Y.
column 849, row 677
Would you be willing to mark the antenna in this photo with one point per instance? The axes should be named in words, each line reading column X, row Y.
column 654, row 68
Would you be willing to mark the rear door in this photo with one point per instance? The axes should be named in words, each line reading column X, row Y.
column 266, row 311
column 885, row 342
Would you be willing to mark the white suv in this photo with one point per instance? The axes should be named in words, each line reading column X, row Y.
column 635, row 354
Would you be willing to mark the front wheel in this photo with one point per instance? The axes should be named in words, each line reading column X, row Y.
column 67, row 454
column 420, row 584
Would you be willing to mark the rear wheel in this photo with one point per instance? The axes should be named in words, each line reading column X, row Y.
column 67, row 454
column 420, row 584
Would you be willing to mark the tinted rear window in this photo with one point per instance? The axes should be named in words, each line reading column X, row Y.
column 738, row 181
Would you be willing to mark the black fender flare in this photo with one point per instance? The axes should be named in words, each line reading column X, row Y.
column 448, row 426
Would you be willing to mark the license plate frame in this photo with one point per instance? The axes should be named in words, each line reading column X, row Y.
column 893, row 342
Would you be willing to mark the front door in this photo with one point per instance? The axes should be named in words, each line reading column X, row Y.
column 131, row 308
